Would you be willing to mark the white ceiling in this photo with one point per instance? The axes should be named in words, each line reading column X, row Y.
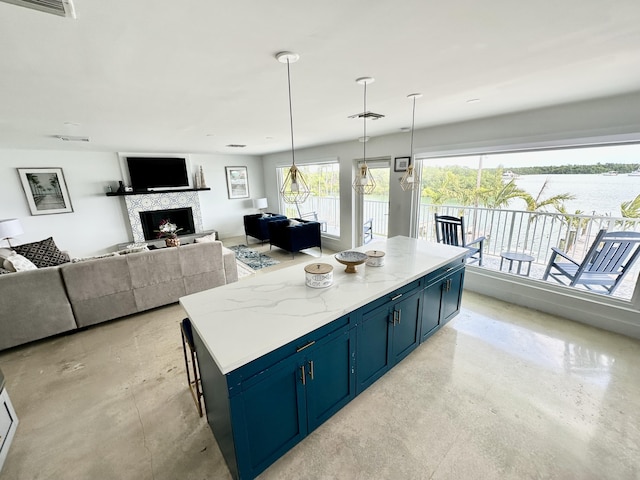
column 194, row 76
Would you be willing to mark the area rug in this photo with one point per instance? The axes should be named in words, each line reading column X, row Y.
column 253, row 259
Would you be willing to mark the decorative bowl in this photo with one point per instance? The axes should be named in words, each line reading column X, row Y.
column 351, row 259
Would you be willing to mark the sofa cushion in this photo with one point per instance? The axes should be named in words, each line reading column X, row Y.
column 44, row 253
column 18, row 263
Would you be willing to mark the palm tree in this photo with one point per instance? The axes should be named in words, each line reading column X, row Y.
column 630, row 209
column 540, row 204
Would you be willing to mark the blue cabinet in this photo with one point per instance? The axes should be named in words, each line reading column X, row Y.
column 262, row 409
column 442, row 296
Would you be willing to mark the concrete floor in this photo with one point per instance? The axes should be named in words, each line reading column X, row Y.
column 502, row 392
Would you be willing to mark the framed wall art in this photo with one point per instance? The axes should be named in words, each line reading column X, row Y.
column 46, row 190
column 401, row 164
column 237, row 182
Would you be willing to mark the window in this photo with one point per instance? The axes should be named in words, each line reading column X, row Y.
column 323, row 204
column 530, row 202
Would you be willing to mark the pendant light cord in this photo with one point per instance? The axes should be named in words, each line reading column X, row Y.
column 364, row 116
column 413, row 122
column 293, row 155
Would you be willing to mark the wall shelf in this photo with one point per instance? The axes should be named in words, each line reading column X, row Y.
column 122, row 194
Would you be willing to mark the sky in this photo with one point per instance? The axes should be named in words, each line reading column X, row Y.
column 572, row 156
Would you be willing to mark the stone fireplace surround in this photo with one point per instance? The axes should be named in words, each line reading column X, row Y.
column 161, row 201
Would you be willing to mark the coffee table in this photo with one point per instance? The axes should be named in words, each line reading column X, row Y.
column 517, row 257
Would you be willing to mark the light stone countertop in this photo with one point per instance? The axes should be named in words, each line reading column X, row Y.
column 240, row 322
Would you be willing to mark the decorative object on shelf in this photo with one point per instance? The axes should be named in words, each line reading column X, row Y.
column 294, row 188
column 237, row 182
column 375, row 258
column 364, row 182
column 200, row 182
column 10, row 228
column 409, row 180
column 46, row 190
column 318, row 275
column 351, row 258
column 170, row 232
column 261, row 204
column 121, row 187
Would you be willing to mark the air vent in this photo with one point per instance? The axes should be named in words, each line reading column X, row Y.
column 62, row 8
column 236, row 145
column 72, row 138
column 369, row 115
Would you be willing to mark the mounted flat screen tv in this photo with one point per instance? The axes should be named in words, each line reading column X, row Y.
column 158, row 173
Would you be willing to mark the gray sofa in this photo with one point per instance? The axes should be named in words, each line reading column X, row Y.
column 47, row 301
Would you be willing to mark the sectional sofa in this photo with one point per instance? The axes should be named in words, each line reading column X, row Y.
column 48, row 301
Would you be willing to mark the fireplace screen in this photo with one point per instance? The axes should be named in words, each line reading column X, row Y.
column 182, row 217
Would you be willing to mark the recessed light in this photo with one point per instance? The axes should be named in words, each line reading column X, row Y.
column 405, row 129
column 236, row 145
column 364, row 139
column 473, row 100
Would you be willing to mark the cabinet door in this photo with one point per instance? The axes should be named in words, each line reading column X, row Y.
column 451, row 296
column 373, row 350
column 330, row 377
column 269, row 416
column 405, row 316
column 431, row 297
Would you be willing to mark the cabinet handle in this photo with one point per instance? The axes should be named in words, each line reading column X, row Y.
column 311, row 369
column 449, row 269
column 299, row 349
column 396, row 297
column 399, row 316
column 302, row 375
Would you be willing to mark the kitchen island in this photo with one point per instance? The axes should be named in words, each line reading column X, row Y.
column 278, row 358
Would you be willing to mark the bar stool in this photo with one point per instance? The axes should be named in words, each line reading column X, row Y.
column 193, row 371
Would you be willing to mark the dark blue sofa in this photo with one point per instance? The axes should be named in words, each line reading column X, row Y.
column 255, row 225
column 294, row 238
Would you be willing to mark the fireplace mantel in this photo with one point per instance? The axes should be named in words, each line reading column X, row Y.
column 122, row 194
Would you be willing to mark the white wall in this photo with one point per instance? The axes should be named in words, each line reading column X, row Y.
column 98, row 223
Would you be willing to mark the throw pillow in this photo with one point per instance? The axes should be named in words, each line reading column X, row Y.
column 4, row 254
column 18, row 263
column 44, row 253
column 4, row 270
column 126, row 251
column 206, row 238
column 293, row 223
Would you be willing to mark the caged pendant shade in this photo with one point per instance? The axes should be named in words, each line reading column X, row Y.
column 409, row 180
column 364, row 182
column 294, row 188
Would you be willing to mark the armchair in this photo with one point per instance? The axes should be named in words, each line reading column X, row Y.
column 293, row 238
column 450, row 230
column 255, row 225
column 608, row 260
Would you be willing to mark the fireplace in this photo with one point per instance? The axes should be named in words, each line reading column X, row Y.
column 182, row 217
column 148, row 202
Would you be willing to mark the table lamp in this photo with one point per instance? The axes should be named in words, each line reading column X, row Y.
column 260, row 204
column 10, row 228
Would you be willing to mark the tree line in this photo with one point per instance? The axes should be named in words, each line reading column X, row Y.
column 598, row 168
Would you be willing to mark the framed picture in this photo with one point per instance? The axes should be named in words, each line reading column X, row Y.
column 401, row 164
column 237, row 182
column 46, row 190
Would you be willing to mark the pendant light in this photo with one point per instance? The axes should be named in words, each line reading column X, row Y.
column 294, row 188
column 364, row 182
column 409, row 181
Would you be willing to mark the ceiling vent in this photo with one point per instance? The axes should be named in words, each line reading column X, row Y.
column 72, row 138
column 62, row 8
column 369, row 115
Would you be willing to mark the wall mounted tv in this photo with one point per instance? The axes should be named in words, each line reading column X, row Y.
column 158, row 173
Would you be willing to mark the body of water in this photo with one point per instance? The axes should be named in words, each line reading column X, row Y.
column 594, row 194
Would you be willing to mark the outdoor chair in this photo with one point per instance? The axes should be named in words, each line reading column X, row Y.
column 450, row 230
column 609, row 259
column 367, row 231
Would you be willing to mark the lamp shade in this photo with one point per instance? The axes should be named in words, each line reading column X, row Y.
column 10, row 228
column 260, row 203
